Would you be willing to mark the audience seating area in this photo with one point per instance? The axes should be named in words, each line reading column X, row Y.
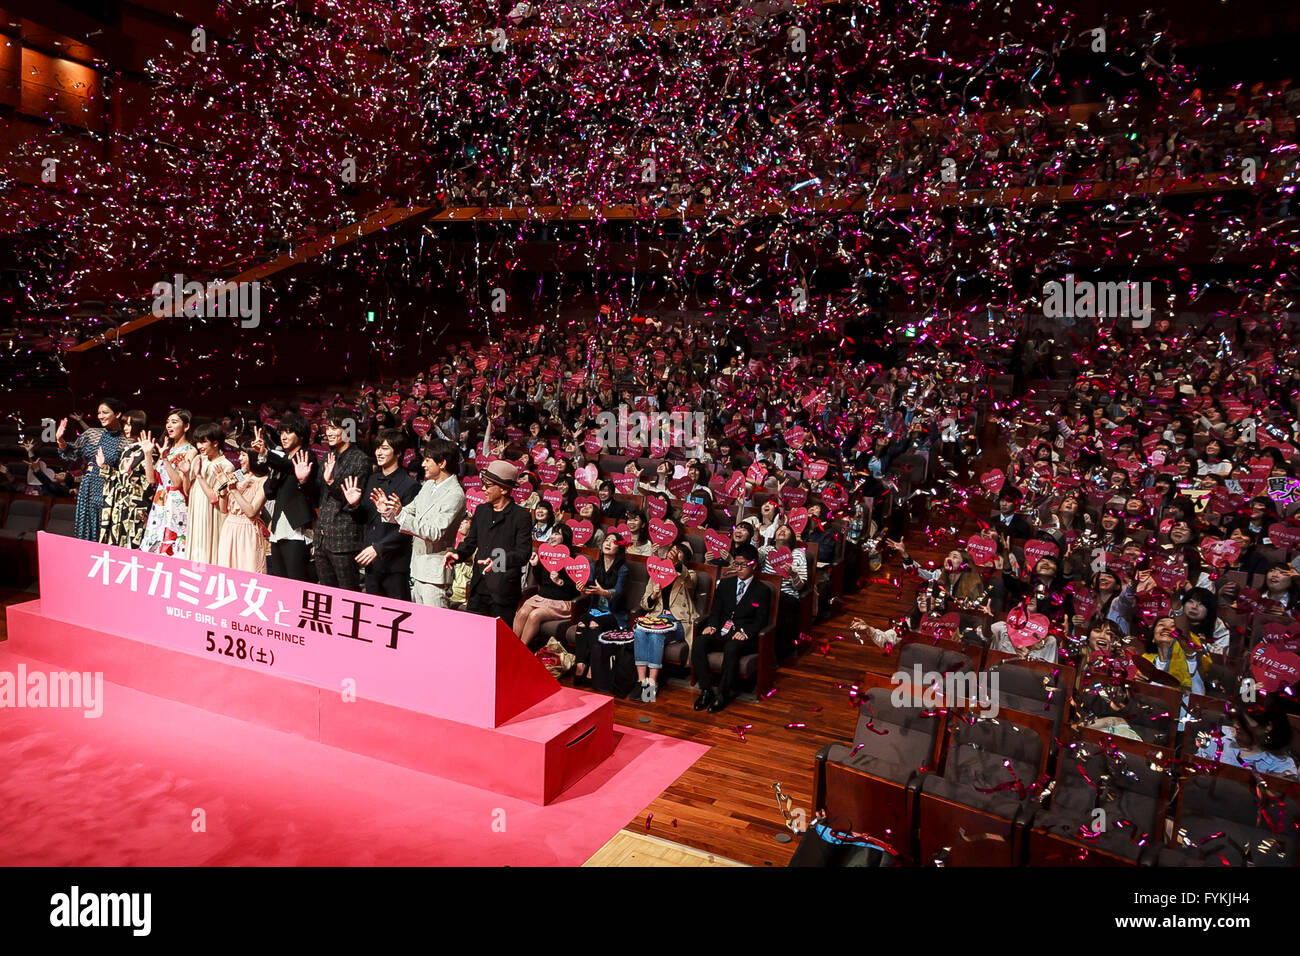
column 1025, row 785
column 759, row 667
column 21, row 517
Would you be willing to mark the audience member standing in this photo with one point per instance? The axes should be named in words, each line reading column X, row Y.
column 500, row 542
column 293, row 486
column 386, row 554
column 107, row 438
column 340, row 530
column 431, row 520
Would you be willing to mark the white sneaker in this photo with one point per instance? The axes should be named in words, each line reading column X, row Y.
column 648, row 691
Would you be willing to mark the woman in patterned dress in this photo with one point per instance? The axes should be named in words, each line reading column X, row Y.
column 166, row 531
column 126, row 487
column 106, row 438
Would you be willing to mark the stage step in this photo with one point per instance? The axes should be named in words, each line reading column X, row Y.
column 534, row 755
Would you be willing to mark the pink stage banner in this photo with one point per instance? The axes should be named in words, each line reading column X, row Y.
column 449, row 664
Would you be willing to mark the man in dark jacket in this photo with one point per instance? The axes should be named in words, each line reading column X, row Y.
column 610, row 507
column 1007, row 521
column 293, row 485
column 387, row 552
column 340, row 530
column 501, row 534
column 741, row 609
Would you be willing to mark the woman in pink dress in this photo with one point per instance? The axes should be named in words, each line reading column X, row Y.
column 243, row 542
column 166, row 530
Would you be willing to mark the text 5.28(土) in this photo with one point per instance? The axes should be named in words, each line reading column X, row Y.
column 239, row 649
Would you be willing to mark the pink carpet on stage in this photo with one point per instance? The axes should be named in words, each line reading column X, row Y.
column 122, row 790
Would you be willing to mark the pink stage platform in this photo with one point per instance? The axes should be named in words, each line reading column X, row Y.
column 123, row 790
column 534, row 755
column 439, row 691
column 310, row 725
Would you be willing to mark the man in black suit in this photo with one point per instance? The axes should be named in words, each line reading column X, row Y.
column 293, row 485
column 741, row 608
column 387, row 552
column 610, row 507
column 1006, row 521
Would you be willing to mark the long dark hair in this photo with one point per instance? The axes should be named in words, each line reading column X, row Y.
column 606, row 578
column 1271, row 715
column 1191, row 557
column 184, row 415
column 255, row 465
column 1205, row 630
column 1121, row 529
column 643, row 535
column 550, row 513
column 1094, row 585
column 965, row 583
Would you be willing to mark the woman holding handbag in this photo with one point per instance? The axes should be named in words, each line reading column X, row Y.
column 663, row 619
column 608, row 610
column 556, row 593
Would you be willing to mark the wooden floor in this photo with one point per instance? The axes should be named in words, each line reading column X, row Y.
column 725, row 804
column 637, row 849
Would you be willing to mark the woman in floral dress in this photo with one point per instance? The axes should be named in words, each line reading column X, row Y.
column 126, row 487
column 107, row 438
column 165, row 532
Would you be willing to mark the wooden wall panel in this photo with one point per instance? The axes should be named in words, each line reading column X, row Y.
column 10, row 71
column 61, row 91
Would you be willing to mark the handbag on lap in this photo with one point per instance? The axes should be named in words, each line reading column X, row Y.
column 556, row 658
column 613, row 664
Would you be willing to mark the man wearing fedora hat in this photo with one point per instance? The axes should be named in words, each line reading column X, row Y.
column 500, row 541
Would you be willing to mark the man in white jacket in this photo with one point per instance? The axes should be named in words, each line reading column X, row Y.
column 432, row 520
